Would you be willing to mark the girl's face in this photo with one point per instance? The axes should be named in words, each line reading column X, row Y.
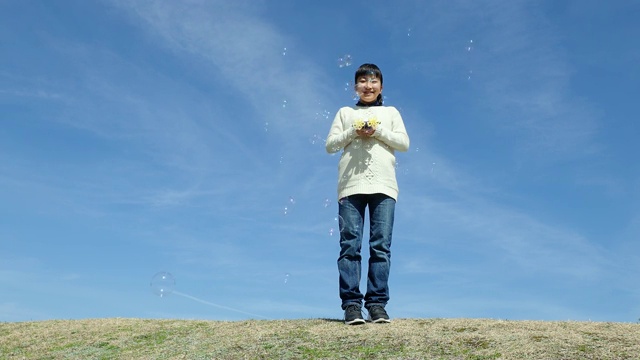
column 368, row 87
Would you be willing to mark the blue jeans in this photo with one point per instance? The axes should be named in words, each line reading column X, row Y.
column 381, row 214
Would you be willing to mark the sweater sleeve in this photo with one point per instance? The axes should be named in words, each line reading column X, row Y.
column 396, row 135
column 339, row 137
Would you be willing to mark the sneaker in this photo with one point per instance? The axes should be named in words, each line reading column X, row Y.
column 377, row 314
column 353, row 315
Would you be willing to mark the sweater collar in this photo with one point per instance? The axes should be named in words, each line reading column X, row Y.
column 378, row 102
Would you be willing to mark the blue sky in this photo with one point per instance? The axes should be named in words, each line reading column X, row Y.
column 188, row 137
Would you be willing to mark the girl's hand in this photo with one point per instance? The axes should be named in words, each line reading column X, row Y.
column 365, row 132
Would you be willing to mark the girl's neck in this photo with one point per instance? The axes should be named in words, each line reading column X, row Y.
column 378, row 102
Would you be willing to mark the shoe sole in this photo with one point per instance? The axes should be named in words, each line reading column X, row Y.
column 381, row 321
column 355, row 322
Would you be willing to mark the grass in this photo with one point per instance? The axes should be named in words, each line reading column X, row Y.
column 473, row 339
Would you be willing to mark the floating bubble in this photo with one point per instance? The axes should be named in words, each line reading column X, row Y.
column 163, row 283
column 290, row 203
column 284, row 103
column 284, row 52
column 326, row 114
column 345, row 61
column 340, row 222
column 348, row 86
column 286, row 278
column 326, row 202
column 409, row 32
column 266, row 126
column 401, row 169
column 469, row 48
column 315, row 139
column 338, row 225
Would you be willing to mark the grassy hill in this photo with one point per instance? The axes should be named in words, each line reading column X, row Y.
column 318, row 339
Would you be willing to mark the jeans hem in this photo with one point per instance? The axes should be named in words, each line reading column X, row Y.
column 370, row 305
column 347, row 304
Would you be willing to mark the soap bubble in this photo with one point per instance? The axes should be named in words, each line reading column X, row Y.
column 163, row 283
column 338, row 219
column 286, row 278
column 469, row 47
column 327, row 202
column 290, row 203
column 338, row 226
column 316, row 139
column 344, row 61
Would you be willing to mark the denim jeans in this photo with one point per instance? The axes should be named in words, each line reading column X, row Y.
column 381, row 214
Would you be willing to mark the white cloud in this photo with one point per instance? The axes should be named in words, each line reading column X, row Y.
column 245, row 51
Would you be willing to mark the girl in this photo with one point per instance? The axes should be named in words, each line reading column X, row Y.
column 368, row 135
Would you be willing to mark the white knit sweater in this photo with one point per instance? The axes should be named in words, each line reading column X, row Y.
column 367, row 165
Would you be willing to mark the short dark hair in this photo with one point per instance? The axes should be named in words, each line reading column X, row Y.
column 368, row 69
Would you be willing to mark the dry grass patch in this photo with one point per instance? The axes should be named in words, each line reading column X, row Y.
column 318, row 339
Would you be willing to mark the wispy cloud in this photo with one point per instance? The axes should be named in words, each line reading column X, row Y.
column 488, row 230
column 527, row 81
column 518, row 72
column 243, row 49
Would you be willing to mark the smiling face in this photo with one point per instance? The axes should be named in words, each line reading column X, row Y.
column 368, row 87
